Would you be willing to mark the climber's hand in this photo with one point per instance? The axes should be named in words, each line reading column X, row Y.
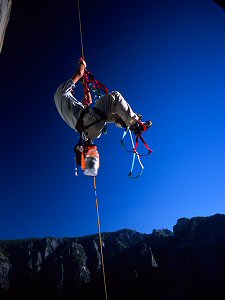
column 82, row 62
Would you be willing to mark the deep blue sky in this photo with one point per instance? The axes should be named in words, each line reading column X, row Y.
column 168, row 60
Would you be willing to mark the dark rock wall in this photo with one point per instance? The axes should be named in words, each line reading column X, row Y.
column 186, row 264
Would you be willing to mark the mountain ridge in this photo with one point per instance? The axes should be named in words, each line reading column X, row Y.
column 186, row 263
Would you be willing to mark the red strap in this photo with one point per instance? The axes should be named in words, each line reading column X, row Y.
column 144, row 142
column 89, row 78
column 142, row 125
column 146, row 145
column 101, row 86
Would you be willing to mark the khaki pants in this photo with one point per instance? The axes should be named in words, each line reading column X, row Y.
column 109, row 104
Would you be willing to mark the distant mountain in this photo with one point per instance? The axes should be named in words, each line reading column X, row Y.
column 188, row 263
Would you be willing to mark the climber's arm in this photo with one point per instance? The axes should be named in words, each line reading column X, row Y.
column 80, row 71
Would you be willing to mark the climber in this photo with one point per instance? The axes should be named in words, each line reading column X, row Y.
column 110, row 108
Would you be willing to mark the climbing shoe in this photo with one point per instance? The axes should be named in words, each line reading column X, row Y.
column 139, row 127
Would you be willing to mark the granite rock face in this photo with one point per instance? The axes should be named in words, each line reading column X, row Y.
column 188, row 263
column 221, row 3
column 5, row 8
column 5, row 267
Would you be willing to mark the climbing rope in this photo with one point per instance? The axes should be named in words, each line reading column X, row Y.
column 100, row 238
column 89, row 81
column 81, row 33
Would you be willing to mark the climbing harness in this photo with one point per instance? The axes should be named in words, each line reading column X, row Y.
column 80, row 126
column 134, row 150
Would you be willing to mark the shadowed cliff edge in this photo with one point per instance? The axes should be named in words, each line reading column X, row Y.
column 188, row 263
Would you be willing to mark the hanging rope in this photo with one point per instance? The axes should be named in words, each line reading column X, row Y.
column 90, row 83
column 100, row 238
column 98, row 86
column 81, row 33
